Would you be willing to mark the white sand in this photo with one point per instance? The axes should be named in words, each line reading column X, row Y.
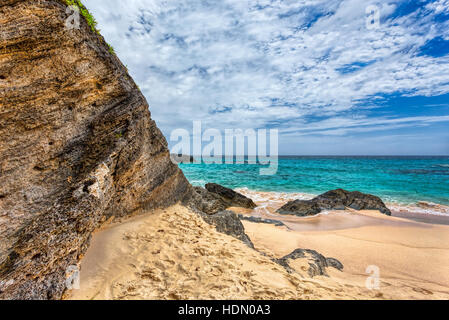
column 413, row 258
column 174, row 254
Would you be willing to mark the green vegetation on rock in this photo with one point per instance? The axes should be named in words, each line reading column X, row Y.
column 89, row 18
column 85, row 13
column 111, row 49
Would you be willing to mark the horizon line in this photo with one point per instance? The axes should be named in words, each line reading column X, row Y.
column 325, row 155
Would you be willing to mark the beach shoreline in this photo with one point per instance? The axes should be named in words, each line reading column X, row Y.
column 146, row 258
column 422, row 217
column 409, row 267
column 421, row 211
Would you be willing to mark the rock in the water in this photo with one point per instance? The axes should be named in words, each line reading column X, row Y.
column 317, row 262
column 229, row 223
column 335, row 200
column 181, row 158
column 235, row 199
column 340, row 199
column 300, row 208
column 78, row 146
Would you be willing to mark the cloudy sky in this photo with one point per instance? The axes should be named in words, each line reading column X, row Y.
column 314, row 69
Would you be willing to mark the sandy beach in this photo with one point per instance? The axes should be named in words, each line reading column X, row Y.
column 146, row 257
column 174, row 254
column 412, row 258
column 410, row 249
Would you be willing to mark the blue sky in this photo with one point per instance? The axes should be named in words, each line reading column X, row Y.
column 311, row 68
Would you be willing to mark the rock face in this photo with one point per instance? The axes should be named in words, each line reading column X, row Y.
column 207, row 202
column 317, row 262
column 230, row 196
column 211, row 205
column 276, row 223
column 229, row 223
column 217, row 198
column 78, row 147
column 335, row 200
column 300, row 208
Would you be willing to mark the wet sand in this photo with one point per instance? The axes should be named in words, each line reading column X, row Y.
column 335, row 220
column 412, row 257
column 422, row 217
column 410, row 249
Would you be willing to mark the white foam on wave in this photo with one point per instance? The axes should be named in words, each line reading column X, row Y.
column 268, row 202
column 274, row 196
column 200, row 183
column 421, row 207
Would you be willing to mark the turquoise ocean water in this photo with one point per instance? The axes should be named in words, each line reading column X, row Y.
column 404, row 180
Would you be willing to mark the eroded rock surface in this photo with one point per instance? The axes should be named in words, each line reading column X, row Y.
column 228, row 222
column 216, row 198
column 335, row 200
column 300, row 208
column 207, row 202
column 317, row 263
column 78, row 147
column 230, row 196
column 276, row 223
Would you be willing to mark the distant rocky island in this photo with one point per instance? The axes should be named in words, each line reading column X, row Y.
column 181, row 158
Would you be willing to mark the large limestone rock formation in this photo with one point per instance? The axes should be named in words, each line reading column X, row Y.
column 77, row 147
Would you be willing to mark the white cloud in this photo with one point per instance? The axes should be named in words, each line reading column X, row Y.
column 440, row 6
column 266, row 60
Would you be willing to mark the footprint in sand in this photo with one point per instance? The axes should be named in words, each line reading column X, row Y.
column 423, row 291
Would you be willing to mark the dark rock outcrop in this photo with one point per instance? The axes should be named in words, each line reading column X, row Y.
column 335, row 200
column 317, row 262
column 212, row 208
column 205, row 201
column 277, row 223
column 229, row 223
column 78, row 147
column 217, row 198
column 339, row 199
column 300, row 208
column 230, row 196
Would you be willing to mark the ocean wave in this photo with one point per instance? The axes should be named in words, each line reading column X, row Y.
column 268, row 202
column 421, row 207
column 274, row 196
column 198, row 183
